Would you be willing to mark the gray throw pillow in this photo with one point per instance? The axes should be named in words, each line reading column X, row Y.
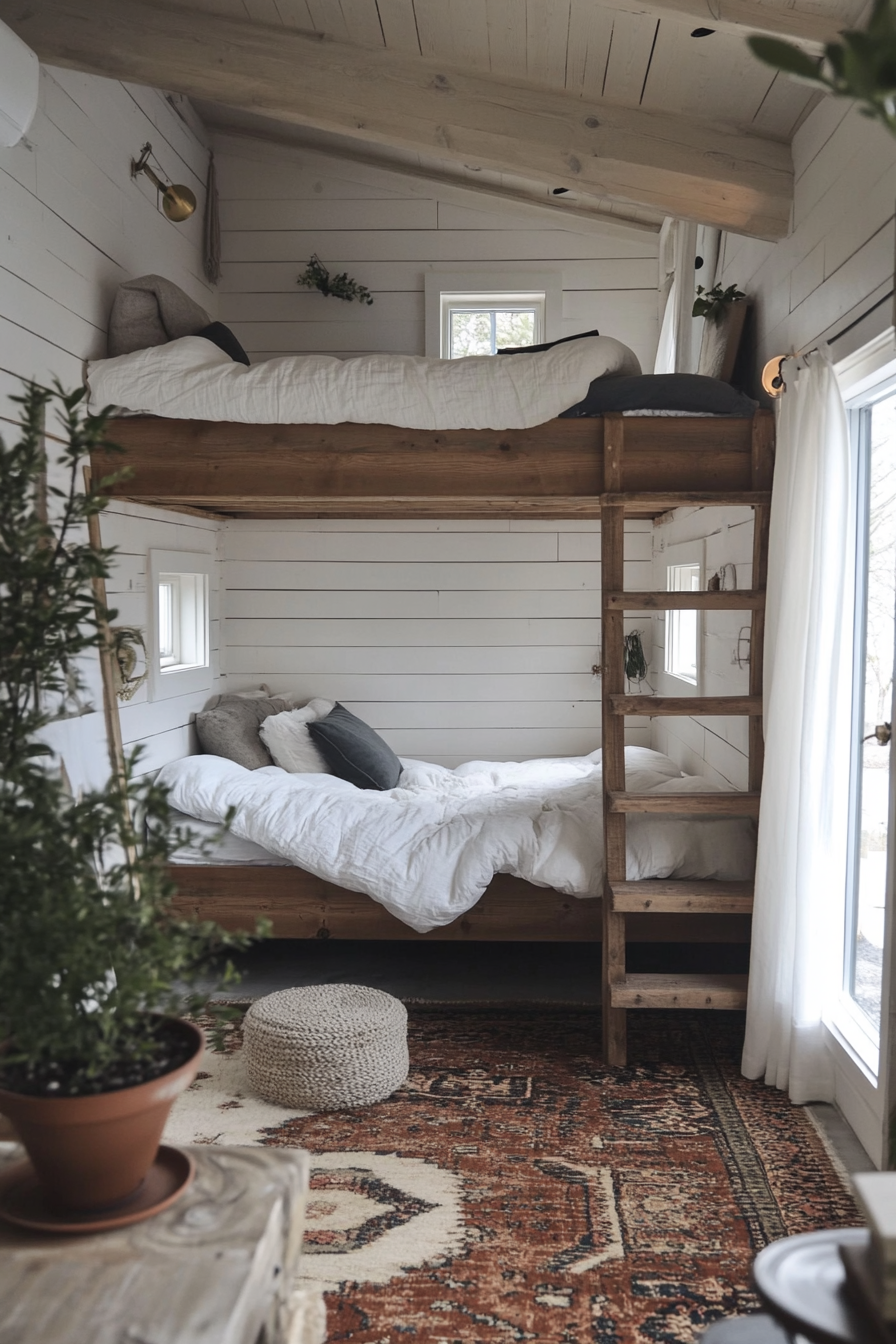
column 353, row 751
column 150, row 311
column 228, row 726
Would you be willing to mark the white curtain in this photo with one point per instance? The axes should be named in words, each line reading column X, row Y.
column 678, row 242
column 801, row 860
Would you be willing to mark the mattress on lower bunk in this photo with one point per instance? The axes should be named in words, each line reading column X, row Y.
column 206, row 843
column 428, row 849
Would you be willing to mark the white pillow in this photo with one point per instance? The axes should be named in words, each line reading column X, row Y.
column 287, row 738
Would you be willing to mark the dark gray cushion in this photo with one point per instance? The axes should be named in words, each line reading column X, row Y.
column 150, row 311
column 689, row 392
column 224, row 339
column 354, row 752
column 545, row 345
column 228, row 726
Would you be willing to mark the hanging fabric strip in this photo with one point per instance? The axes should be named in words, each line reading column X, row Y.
column 211, row 240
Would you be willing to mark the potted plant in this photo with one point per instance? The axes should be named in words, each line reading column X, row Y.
column 92, row 957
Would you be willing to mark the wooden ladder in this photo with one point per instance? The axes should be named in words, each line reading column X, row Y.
column 621, row 990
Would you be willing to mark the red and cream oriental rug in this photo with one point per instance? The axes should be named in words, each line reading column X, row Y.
column 516, row 1190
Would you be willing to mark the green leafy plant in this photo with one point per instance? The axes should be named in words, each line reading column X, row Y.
column 341, row 286
column 90, row 947
column 711, row 303
column 862, row 66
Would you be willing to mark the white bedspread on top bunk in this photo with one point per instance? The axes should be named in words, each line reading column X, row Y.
column 428, row 849
column 192, row 379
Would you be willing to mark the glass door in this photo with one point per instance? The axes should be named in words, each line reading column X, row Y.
column 875, row 427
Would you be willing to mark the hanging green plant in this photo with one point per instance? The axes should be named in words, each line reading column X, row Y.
column 861, row 66
column 316, row 276
column 712, row 303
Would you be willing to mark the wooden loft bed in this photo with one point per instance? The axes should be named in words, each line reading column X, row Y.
column 610, row 467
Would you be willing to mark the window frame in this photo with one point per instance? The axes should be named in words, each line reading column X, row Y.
column 189, row 573
column 490, row 287
column 673, row 555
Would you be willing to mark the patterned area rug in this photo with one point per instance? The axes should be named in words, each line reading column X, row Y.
column 514, row 1189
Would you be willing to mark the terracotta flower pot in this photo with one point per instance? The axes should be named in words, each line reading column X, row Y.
column 93, row 1152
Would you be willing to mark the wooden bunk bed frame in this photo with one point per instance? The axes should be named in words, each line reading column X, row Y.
column 613, row 467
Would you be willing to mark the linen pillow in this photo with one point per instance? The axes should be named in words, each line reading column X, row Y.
column 546, row 345
column 152, row 311
column 287, row 738
column 229, row 724
column 224, row 339
column 354, row 752
column 688, row 392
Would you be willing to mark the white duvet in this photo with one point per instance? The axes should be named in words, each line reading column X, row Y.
column 428, row 849
column 192, row 379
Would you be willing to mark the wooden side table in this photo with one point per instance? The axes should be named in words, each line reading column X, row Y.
column 218, row 1267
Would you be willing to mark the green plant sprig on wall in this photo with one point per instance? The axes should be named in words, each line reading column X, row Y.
column 862, row 66
column 711, row 303
column 341, row 286
column 90, row 944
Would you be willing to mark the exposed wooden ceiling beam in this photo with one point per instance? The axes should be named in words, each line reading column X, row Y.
column 747, row 16
column 713, row 174
column 462, row 188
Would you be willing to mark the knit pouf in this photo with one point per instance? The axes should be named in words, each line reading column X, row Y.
column 326, row 1047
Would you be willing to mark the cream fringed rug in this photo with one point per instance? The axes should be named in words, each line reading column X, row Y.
column 514, row 1189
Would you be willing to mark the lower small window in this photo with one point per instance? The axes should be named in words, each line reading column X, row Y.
column 180, row 658
column 683, row 627
column 183, row 621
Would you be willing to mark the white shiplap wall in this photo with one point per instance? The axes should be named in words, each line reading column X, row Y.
column 74, row 225
column 279, row 205
column 456, row 640
column 714, row 746
column 838, row 260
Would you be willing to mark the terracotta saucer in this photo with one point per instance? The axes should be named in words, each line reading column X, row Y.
column 23, row 1202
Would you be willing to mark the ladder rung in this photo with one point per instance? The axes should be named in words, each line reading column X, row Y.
column 683, row 898
column 688, row 804
column 679, row 991
column 651, row 706
column 745, row 599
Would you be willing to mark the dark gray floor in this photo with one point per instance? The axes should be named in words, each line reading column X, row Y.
column 464, row 972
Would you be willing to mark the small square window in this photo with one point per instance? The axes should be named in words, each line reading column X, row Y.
column 179, row 660
column 683, row 627
column 480, row 312
column 480, row 324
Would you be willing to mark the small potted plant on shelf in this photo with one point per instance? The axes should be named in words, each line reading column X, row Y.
column 93, row 959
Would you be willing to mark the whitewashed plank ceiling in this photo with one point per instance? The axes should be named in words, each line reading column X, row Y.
column 689, row 122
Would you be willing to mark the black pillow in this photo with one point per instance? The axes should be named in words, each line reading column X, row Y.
column 690, row 392
column 224, row 339
column 547, row 345
column 353, row 751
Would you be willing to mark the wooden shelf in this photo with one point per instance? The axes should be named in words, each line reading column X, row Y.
column 680, row 991
column 687, row 804
column 683, row 897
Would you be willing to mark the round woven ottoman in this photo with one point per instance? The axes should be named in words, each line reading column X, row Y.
column 326, row 1047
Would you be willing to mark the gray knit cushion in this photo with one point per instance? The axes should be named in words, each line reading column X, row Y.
column 228, row 726
column 326, row 1047
column 150, row 311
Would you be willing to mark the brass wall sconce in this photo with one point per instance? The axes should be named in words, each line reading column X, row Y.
column 178, row 202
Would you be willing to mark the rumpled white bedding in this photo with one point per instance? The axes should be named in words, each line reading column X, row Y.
column 192, row 379
column 427, row 849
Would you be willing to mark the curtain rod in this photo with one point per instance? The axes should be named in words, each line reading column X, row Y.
column 772, row 380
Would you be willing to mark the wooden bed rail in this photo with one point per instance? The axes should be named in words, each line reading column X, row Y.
column 556, row 470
